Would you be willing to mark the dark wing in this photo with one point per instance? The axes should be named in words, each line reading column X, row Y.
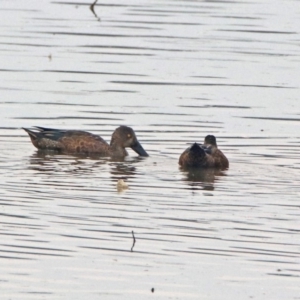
column 43, row 129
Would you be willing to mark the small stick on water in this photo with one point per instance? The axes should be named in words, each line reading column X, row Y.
column 133, row 240
column 93, row 10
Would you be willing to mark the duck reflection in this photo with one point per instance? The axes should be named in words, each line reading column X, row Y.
column 204, row 178
column 52, row 162
column 124, row 171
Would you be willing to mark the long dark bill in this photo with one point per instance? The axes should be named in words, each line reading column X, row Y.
column 137, row 147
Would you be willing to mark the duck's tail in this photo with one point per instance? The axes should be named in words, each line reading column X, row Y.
column 31, row 133
column 196, row 150
column 33, row 136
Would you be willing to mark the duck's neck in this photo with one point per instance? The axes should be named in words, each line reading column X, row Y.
column 117, row 150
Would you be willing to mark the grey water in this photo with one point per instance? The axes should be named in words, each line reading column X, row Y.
column 174, row 71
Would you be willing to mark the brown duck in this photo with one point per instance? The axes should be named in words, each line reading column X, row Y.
column 83, row 142
column 204, row 156
column 196, row 157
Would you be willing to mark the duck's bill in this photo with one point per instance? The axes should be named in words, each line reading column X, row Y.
column 137, row 147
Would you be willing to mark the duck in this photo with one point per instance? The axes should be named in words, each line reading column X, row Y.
column 83, row 142
column 196, row 157
column 211, row 148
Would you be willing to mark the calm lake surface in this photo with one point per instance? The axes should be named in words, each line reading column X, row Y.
column 174, row 71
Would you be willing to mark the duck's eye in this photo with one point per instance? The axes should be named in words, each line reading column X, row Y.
column 129, row 135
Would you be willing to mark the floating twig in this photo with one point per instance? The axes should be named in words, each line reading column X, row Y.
column 92, row 8
column 133, row 240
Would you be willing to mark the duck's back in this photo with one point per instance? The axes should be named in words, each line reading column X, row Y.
column 196, row 157
column 70, row 141
column 74, row 141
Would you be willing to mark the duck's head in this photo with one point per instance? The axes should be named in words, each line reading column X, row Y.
column 125, row 137
column 211, row 140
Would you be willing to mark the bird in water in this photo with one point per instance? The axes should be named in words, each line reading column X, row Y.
column 195, row 156
column 206, row 155
column 83, row 142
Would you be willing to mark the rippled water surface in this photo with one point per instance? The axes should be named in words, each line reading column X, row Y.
column 175, row 71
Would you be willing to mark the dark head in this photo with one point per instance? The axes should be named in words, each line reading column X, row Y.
column 125, row 137
column 211, row 140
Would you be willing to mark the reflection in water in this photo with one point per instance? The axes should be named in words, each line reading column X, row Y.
column 52, row 161
column 204, row 178
column 122, row 170
column 125, row 168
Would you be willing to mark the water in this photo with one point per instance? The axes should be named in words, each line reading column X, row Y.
column 175, row 71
